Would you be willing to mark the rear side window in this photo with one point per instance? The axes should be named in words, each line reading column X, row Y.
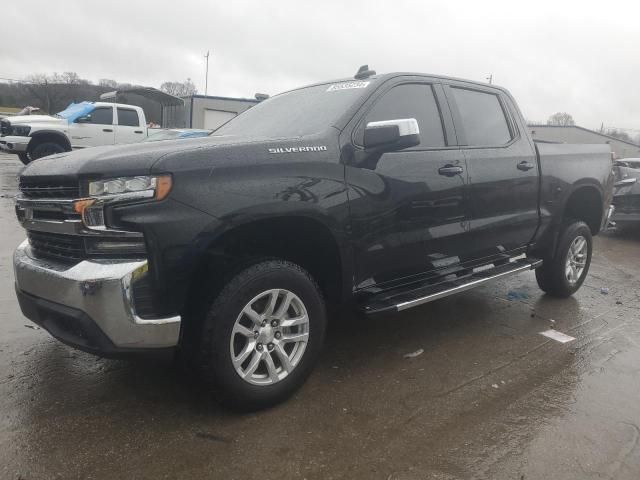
column 102, row 116
column 128, row 117
column 483, row 119
column 409, row 101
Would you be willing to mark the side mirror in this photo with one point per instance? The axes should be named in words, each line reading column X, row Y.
column 391, row 135
column 84, row 119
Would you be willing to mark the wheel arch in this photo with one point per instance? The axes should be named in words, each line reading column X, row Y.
column 305, row 239
column 585, row 202
column 42, row 136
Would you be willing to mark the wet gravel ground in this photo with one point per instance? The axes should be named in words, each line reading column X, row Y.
column 489, row 397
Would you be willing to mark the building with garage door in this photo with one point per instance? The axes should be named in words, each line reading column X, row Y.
column 201, row 111
column 195, row 111
column 575, row 134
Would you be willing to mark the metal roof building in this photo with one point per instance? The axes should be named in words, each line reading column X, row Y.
column 575, row 134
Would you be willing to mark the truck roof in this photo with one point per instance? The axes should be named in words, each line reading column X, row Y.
column 379, row 78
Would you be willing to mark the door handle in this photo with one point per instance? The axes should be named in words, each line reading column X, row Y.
column 107, row 130
column 137, row 131
column 525, row 166
column 450, row 170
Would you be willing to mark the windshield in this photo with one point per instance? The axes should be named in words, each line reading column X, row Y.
column 76, row 110
column 297, row 113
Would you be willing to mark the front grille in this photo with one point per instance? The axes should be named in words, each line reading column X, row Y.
column 74, row 248
column 70, row 248
column 36, row 188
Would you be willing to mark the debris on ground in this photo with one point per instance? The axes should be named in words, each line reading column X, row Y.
column 517, row 295
column 604, row 291
column 33, row 327
column 618, row 302
column 414, row 354
column 552, row 321
column 495, row 385
column 213, row 437
column 557, row 336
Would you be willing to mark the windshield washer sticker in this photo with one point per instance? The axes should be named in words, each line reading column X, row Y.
column 347, row 86
column 318, row 148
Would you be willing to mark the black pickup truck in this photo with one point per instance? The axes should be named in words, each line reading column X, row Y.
column 382, row 192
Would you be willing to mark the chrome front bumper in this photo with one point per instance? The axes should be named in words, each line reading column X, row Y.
column 101, row 291
column 13, row 144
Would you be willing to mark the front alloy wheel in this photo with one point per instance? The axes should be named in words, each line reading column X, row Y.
column 269, row 337
column 261, row 336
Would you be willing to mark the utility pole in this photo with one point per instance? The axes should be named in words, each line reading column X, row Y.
column 490, row 78
column 206, row 78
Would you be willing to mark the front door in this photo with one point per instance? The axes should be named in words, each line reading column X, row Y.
column 407, row 207
column 94, row 129
column 503, row 171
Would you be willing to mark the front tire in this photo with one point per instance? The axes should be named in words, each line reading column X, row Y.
column 45, row 149
column 262, row 335
column 563, row 273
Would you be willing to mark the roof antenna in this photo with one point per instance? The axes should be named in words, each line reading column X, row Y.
column 364, row 72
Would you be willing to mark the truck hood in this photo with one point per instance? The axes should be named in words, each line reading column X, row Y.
column 161, row 156
column 33, row 119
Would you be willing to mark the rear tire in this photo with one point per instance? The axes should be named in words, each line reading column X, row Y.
column 24, row 158
column 253, row 361
column 45, row 149
column 563, row 273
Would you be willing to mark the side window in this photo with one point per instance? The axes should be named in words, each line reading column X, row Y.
column 102, row 116
column 128, row 117
column 409, row 101
column 483, row 119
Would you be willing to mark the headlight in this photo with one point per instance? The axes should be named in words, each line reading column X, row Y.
column 19, row 130
column 116, row 190
column 157, row 187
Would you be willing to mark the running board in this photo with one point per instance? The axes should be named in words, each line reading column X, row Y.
column 402, row 300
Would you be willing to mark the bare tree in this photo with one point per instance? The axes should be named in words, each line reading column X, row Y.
column 179, row 89
column 619, row 134
column 561, row 118
column 45, row 89
column 108, row 83
column 54, row 92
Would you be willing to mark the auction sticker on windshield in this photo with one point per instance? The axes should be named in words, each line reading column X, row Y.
column 347, row 86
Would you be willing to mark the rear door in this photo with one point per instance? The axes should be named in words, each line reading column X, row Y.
column 95, row 129
column 129, row 128
column 502, row 169
column 407, row 213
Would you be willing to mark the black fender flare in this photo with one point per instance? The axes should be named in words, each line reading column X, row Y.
column 60, row 137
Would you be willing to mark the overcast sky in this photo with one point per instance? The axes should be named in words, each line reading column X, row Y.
column 575, row 56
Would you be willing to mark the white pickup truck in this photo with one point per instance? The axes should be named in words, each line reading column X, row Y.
column 80, row 125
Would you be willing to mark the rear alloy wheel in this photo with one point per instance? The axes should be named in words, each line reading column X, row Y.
column 261, row 336
column 562, row 273
column 576, row 260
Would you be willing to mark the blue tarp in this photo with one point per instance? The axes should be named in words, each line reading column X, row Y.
column 76, row 110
